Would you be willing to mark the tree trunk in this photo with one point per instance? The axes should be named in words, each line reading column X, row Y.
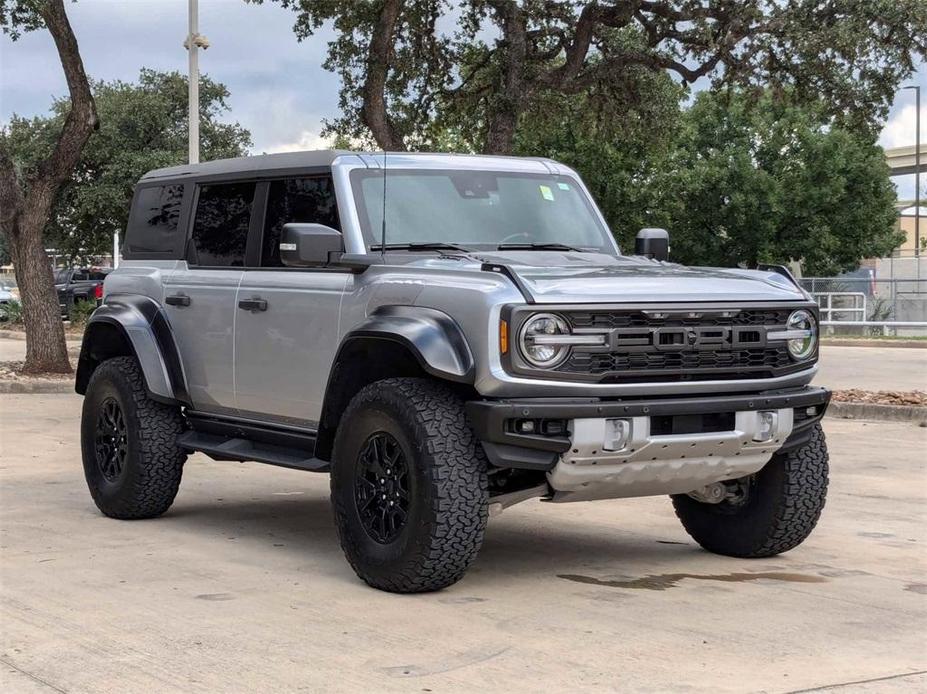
column 504, row 112
column 26, row 206
column 500, row 136
column 373, row 109
column 46, row 350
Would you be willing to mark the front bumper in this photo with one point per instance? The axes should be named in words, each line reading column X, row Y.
column 675, row 444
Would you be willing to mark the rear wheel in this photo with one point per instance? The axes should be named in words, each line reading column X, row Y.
column 764, row 514
column 132, row 462
column 409, row 486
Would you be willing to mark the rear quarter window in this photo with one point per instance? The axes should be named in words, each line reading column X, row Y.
column 154, row 228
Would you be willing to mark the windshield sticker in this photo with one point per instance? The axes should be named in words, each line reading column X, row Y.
column 563, row 186
column 546, row 193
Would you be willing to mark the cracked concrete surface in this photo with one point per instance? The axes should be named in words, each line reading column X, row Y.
column 242, row 587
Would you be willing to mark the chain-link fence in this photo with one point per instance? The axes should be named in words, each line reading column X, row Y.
column 863, row 305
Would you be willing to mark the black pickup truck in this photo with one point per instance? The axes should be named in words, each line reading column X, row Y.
column 76, row 284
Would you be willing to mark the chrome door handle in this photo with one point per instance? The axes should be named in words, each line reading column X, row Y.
column 177, row 300
column 253, row 305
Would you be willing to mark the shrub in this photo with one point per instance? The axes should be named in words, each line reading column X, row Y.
column 12, row 312
column 80, row 313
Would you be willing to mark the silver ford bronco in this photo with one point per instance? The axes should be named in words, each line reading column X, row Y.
column 447, row 336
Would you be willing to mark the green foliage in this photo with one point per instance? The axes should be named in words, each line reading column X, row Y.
column 619, row 145
column 12, row 312
column 143, row 126
column 80, row 313
column 18, row 16
column 773, row 182
column 453, row 64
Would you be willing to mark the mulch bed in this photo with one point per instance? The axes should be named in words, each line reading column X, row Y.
column 12, row 371
column 911, row 398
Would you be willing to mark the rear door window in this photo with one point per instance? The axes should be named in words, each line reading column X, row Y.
column 305, row 200
column 153, row 228
column 220, row 226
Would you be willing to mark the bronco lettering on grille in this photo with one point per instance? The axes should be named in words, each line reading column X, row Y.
column 679, row 339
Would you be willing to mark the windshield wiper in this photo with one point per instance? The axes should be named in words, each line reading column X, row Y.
column 420, row 246
column 538, row 247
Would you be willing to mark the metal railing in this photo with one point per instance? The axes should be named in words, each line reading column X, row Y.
column 849, row 304
column 861, row 305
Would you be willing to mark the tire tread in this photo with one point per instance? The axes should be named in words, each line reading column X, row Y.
column 456, row 468
column 157, row 426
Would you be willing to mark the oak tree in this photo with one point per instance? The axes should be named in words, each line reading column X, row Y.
column 26, row 202
column 409, row 65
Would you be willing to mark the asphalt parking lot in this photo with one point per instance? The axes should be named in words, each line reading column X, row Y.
column 242, row 587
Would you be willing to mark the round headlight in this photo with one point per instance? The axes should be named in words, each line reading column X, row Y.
column 802, row 347
column 532, row 341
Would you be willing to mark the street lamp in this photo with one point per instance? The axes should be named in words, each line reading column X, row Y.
column 917, row 169
column 193, row 43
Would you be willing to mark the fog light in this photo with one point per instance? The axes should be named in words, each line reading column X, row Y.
column 617, row 434
column 525, row 426
column 767, row 422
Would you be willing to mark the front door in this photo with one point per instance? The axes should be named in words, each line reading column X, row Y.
column 200, row 294
column 287, row 324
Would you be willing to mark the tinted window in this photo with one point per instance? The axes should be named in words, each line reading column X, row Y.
column 153, row 224
column 220, row 228
column 296, row 200
column 61, row 276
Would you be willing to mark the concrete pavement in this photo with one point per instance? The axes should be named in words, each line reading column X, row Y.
column 873, row 368
column 242, row 587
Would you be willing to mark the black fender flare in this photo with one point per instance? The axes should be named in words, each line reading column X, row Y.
column 433, row 337
column 144, row 328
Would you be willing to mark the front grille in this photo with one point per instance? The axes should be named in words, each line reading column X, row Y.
column 675, row 344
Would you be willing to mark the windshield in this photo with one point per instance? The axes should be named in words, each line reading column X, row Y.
column 478, row 210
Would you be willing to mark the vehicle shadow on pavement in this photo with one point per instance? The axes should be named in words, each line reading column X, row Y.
column 302, row 524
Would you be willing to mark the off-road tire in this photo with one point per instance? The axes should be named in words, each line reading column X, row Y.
column 153, row 463
column 448, row 493
column 784, row 503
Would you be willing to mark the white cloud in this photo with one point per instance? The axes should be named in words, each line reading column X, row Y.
column 900, row 127
column 307, row 140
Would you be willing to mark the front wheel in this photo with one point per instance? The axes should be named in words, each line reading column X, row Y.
column 409, row 486
column 764, row 514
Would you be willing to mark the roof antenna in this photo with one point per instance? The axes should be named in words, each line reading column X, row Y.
column 383, row 228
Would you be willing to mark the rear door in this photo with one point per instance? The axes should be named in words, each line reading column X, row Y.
column 200, row 294
column 288, row 318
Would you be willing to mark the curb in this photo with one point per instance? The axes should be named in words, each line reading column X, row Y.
column 35, row 388
column 882, row 413
column 894, row 344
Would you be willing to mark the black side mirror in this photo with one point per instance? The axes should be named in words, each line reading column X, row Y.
column 303, row 245
column 652, row 243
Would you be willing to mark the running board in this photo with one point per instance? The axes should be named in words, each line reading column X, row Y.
column 220, row 447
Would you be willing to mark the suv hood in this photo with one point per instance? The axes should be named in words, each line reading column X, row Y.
column 566, row 277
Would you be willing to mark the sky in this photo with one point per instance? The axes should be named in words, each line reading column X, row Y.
column 279, row 90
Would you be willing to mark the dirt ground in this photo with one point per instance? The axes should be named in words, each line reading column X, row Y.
column 242, row 587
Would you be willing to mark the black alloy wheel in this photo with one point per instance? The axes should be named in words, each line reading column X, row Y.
column 111, row 441
column 381, row 487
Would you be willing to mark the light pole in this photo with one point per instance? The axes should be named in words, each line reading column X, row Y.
column 917, row 169
column 193, row 43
